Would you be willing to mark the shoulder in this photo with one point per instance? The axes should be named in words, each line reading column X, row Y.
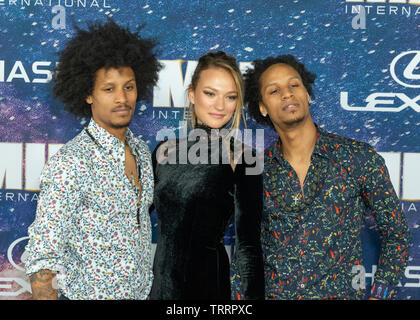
column 73, row 151
column 142, row 146
column 243, row 150
column 250, row 161
column 348, row 149
column 165, row 148
column 271, row 152
column 342, row 141
column 353, row 145
column 165, row 144
column 67, row 161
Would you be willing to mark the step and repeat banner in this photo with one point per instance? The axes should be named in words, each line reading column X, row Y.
column 366, row 55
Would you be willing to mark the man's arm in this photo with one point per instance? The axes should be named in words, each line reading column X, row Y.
column 379, row 196
column 49, row 233
column 42, row 285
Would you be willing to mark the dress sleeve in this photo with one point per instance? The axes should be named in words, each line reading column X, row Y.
column 248, row 210
column 58, row 199
column 154, row 160
column 158, row 151
column 379, row 196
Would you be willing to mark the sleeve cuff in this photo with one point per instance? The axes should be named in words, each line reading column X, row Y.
column 382, row 291
column 43, row 264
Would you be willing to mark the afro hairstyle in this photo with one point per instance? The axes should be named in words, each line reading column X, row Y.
column 252, row 77
column 102, row 45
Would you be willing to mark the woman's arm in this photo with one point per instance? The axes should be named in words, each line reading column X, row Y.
column 248, row 211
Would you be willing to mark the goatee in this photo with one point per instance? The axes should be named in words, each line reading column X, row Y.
column 121, row 125
column 294, row 121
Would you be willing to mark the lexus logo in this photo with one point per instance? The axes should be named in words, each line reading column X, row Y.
column 410, row 78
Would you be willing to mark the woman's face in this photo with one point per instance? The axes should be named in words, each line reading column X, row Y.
column 215, row 97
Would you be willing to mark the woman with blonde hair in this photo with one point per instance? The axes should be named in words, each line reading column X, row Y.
column 200, row 185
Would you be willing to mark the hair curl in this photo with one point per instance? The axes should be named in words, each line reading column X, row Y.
column 252, row 79
column 102, row 45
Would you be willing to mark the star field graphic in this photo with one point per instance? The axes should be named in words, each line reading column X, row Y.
column 319, row 33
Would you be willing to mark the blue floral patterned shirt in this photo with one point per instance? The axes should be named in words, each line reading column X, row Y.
column 90, row 227
column 312, row 242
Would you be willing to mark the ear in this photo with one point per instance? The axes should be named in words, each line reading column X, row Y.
column 263, row 109
column 89, row 100
column 191, row 95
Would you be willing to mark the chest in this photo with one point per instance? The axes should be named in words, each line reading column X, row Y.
column 331, row 194
column 104, row 181
column 194, row 182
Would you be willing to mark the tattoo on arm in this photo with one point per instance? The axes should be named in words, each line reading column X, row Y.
column 42, row 288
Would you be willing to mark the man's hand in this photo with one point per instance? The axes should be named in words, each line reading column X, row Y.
column 42, row 288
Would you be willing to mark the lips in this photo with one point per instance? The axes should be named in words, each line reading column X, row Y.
column 122, row 111
column 217, row 115
column 290, row 106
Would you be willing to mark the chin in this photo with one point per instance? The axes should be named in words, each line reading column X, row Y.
column 121, row 124
column 215, row 124
column 295, row 121
column 218, row 126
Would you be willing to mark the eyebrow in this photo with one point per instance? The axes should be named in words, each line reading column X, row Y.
column 234, row 91
column 275, row 82
column 111, row 83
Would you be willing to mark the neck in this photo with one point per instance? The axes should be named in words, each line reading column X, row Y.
column 119, row 133
column 203, row 126
column 298, row 142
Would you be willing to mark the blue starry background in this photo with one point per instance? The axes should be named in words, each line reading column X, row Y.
column 319, row 33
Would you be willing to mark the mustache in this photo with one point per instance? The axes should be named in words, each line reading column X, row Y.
column 122, row 107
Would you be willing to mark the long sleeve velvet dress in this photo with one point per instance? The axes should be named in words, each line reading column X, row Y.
column 194, row 204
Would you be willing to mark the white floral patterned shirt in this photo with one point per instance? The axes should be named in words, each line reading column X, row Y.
column 89, row 227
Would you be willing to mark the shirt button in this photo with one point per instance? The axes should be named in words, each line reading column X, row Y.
column 302, row 286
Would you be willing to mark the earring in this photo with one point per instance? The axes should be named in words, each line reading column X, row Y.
column 264, row 115
column 309, row 100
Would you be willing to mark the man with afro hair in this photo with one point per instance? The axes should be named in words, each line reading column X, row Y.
column 317, row 189
column 92, row 229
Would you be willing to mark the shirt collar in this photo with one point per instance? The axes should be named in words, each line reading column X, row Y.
column 324, row 145
column 108, row 141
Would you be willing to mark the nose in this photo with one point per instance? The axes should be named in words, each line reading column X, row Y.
column 219, row 104
column 286, row 93
column 120, row 96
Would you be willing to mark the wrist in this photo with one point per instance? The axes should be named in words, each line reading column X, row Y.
column 381, row 291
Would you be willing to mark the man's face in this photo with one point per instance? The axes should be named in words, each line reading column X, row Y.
column 284, row 97
column 113, row 99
